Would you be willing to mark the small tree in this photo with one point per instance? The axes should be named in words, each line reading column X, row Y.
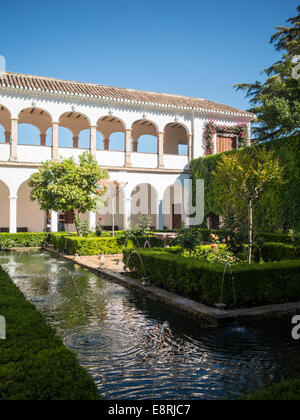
column 67, row 186
column 240, row 179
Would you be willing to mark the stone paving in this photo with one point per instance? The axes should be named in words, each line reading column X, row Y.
column 110, row 262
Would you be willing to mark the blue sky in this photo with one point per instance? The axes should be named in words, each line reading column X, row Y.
column 195, row 48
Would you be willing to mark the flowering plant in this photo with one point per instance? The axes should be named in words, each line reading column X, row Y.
column 241, row 130
column 99, row 227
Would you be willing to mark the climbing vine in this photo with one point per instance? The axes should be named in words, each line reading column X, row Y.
column 241, row 130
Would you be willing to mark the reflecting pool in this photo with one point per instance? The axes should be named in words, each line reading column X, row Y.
column 136, row 348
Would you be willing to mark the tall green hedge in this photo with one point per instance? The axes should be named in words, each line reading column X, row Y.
column 254, row 285
column 278, row 207
column 34, row 363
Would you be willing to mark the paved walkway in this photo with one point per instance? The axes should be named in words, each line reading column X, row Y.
column 110, row 262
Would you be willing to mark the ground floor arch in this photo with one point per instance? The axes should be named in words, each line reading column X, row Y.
column 30, row 218
column 144, row 202
column 173, row 206
column 111, row 213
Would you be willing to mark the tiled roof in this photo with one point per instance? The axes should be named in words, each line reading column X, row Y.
column 46, row 84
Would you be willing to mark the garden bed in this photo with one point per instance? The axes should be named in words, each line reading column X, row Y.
column 250, row 285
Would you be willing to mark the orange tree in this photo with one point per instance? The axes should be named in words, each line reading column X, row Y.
column 68, row 186
column 239, row 180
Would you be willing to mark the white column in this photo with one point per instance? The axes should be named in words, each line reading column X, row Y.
column 198, row 145
column 92, row 221
column 215, row 143
column 13, row 214
column 160, row 216
column 54, row 225
column 55, row 126
column 160, row 139
column 127, row 215
column 14, row 139
column 93, row 140
column 128, row 148
column 250, row 133
column 190, row 147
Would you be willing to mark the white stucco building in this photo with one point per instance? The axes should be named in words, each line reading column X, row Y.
column 175, row 123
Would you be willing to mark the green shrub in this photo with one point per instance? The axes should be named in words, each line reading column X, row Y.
column 93, row 245
column 34, row 364
column 272, row 251
column 284, row 391
column 256, row 284
column 220, row 254
column 279, row 238
column 19, row 240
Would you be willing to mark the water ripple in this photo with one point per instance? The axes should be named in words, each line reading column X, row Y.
column 122, row 339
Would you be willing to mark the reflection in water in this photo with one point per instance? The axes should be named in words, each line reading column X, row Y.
column 123, row 340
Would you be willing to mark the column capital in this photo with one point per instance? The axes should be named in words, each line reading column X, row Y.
column 14, row 119
column 55, row 123
column 13, row 197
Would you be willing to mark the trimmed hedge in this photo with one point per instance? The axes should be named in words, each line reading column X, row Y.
column 279, row 238
column 72, row 244
column 284, row 391
column 16, row 240
column 272, row 251
column 34, row 363
column 255, row 285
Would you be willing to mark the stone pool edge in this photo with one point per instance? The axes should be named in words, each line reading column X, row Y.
column 197, row 310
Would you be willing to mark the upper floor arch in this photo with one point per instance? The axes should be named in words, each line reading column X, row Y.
column 4, row 124
column 176, row 139
column 144, row 135
column 5, row 117
column 113, row 131
column 34, row 124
